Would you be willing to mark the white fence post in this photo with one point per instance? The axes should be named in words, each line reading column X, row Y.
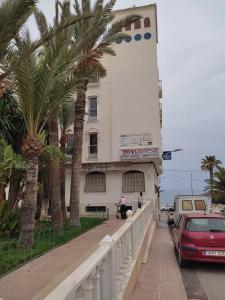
column 96, row 283
column 88, row 289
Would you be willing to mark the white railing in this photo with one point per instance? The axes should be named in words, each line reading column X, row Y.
column 105, row 274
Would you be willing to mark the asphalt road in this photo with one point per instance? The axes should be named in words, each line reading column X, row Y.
column 204, row 281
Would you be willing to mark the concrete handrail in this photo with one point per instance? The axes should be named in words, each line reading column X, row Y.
column 105, row 274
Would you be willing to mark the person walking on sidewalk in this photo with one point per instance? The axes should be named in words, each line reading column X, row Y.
column 140, row 200
column 122, row 205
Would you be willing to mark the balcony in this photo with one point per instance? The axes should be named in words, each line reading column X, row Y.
column 93, row 81
column 92, row 156
column 92, row 119
column 160, row 89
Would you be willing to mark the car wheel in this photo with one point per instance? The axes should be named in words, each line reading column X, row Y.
column 182, row 262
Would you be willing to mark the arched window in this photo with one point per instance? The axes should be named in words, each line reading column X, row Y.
column 133, row 181
column 147, row 22
column 128, row 27
column 95, row 182
column 137, row 24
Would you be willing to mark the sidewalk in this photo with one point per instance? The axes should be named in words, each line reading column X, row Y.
column 160, row 277
column 35, row 279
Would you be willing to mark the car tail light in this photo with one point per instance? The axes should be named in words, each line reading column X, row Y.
column 186, row 238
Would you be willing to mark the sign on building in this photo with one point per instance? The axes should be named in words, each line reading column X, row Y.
column 135, row 140
column 139, row 153
column 167, row 155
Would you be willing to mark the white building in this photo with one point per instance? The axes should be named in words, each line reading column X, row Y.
column 122, row 138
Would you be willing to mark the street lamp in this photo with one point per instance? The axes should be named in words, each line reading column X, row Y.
column 176, row 150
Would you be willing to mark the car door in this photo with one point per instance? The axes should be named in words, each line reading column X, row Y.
column 176, row 230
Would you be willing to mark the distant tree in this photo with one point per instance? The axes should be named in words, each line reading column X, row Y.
column 208, row 164
column 216, row 188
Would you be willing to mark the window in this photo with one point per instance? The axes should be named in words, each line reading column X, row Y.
column 95, row 209
column 137, row 24
column 147, row 22
column 187, row 205
column 93, row 146
column 92, row 109
column 95, row 182
column 69, row 143
column 206, row 225
column 200, row 205
column 93, row 79
column 133, row 181
column 128, row 27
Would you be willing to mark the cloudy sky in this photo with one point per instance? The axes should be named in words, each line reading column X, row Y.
column 191, row 57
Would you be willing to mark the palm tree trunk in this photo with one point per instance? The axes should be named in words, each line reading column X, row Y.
column 2, row 192
column 211, row 182
column 63, row 176
column 54, row 176
column 14, row 187
column 40, row 196
column 77, row 159
column 29, row 204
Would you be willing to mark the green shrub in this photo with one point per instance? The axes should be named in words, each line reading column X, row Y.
column 9, row 220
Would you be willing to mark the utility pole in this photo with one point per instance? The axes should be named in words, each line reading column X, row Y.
column 192, row 192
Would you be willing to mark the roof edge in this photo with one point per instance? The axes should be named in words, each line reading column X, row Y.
column 140, row 7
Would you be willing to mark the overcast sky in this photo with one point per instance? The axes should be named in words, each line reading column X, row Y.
column 191, row 58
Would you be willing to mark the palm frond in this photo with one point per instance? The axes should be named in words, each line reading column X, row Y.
column 13, row 15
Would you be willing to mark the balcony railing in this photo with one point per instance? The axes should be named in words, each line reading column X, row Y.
column 92, row 118
column 92, row 155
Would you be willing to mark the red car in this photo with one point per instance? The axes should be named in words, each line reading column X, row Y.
column 200, row 237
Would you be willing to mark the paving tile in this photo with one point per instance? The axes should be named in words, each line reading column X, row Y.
column 160, row 277
column 54, row 266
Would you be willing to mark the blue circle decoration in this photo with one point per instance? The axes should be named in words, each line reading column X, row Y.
column 137, row 37
column 119, row 41
column 128, row 39
column 147, row 35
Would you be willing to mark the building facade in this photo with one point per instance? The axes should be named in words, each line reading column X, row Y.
column 122, row 131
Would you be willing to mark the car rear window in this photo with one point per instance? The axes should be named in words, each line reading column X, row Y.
column 187, row 205
column 206, row 225
column 200, row 205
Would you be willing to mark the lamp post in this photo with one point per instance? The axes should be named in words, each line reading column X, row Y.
column 177, row 150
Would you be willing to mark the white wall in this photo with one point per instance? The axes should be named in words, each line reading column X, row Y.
column 114, row 188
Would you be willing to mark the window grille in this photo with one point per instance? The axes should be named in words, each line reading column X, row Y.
column 147, row 22
column 95, row 182
column 133, row 181
column 92, row 116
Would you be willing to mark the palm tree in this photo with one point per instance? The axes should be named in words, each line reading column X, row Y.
column 40, row 88
column 8, row 161
column 208, row 164
column 106, row 30
column 12, row 130
column 216, row 188
column 66, row 119
column 59, row 50
column 13, row 15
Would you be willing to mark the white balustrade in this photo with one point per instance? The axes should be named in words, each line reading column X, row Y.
column 105, row 274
